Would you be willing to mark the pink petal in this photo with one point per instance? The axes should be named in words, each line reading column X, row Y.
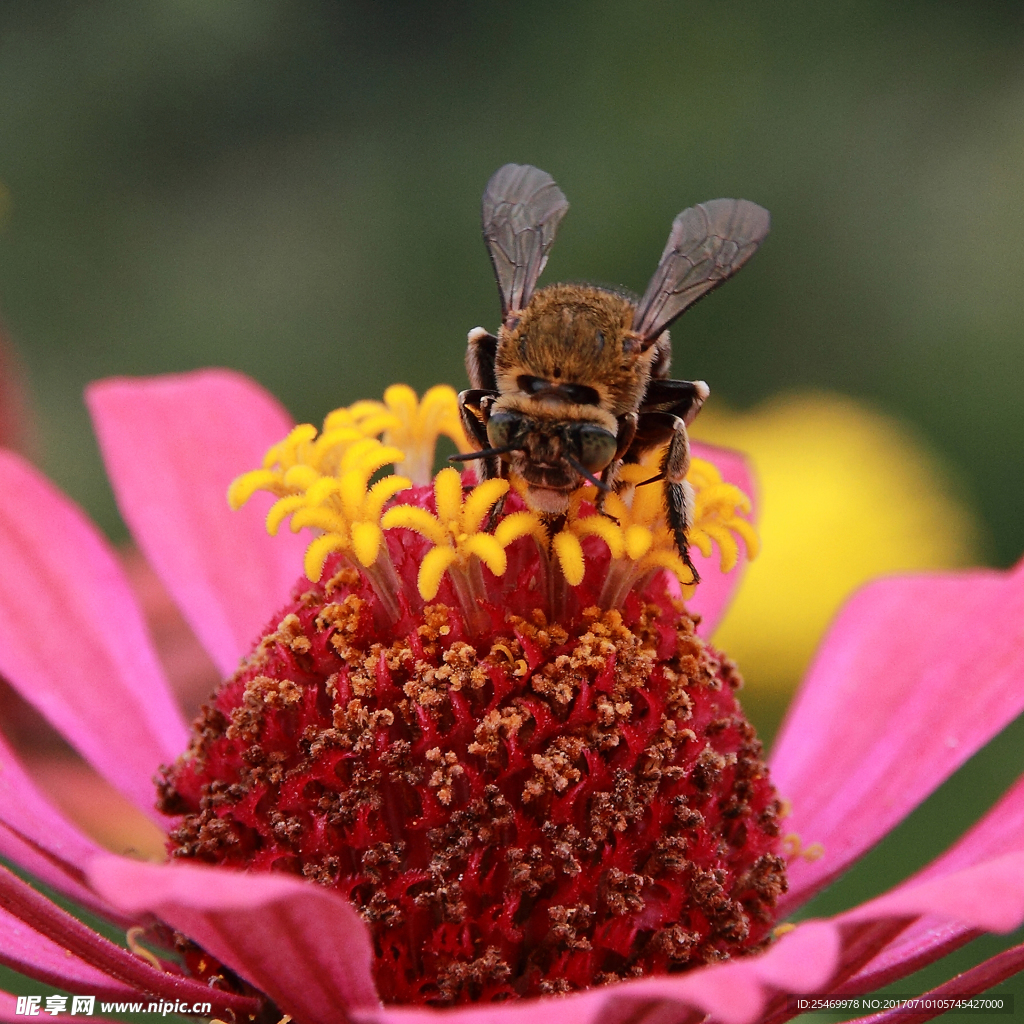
column 971, row 983
column 25, row 950
column 717, row 588
column 733, row 993
column 21, row 901
column 304, row 946
column 172, row 445
column 72, row 640
column 1000, row 831
column 38, row 838
column 926, row 940
column 989, row 896
column 916, row 674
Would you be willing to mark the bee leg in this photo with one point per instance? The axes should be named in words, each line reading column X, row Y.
column 475, row 410
column 626, row 434
column 678, row 493
column 624, row 438
column 497, row 511
column 682, row 398
column 481, row 352
column 608, row 478
column 657, row 428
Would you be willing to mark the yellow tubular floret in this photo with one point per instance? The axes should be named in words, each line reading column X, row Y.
column 317, row 552
column 244, row 487
column 381, row 493
column 320, row 519
column 570, row 557
column 350, row 491
column 599, row 526
column 456, row 531
column 323, row 483
column 727, row 545
column 300, row 478
column 448, row 495
column 635, row 527
column 480, row 501
column 410, row 517
column 285, row 453
column 281, row 509
column 701, row 541
column 411, row 425
column 435, row 564
column 638, row 541
column 488, row 550
column 519, row 524
column 749, row 535
column 366, row 541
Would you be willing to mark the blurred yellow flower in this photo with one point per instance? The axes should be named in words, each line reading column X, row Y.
column 845, row 494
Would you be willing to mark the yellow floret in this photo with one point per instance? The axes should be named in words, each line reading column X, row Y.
column 413, row 425
column 323, row 483
column 716, row 517
column 455, row 531
column 635, row 527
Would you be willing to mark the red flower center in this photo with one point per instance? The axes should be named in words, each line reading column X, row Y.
column 535, row 809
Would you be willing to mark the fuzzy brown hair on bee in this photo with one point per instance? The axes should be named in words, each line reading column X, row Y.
column 575, row 383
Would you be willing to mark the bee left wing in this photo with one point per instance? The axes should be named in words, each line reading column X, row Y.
column 522, row 207
column 707, row 245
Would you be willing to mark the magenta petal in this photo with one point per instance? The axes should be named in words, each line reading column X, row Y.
column 971, row 983
column 45, row 918
column 717, row 588
column 172, row 445
column 1000, row 831
column 36, row 837
column 23, row 949
column 73, row 641
column 989, row 896
column 304, row 946
column 733, row 993
column 915, row 675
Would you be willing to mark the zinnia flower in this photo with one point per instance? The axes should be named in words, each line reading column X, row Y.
column 916, row 674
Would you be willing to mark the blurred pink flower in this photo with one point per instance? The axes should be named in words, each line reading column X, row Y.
column 916, row 674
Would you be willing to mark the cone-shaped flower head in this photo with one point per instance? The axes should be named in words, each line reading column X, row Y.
column 524, row 769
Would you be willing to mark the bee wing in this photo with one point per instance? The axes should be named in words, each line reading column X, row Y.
column 521, row 210
column 707, row 245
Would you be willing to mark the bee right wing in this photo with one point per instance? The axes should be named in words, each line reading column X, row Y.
column 521, row 210
column 707, row 245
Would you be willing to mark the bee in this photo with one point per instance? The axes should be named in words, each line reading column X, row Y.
column 576, row 381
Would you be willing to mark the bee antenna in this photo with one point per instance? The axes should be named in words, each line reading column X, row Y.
column 584, row 472
column 651, row 480
column 486, row 453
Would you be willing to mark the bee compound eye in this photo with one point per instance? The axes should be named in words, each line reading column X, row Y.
column 503, row 428
column 595, row 446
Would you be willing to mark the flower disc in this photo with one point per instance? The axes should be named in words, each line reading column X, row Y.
column 536, row 809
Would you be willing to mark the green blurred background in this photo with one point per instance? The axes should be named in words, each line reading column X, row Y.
column 292, row 189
